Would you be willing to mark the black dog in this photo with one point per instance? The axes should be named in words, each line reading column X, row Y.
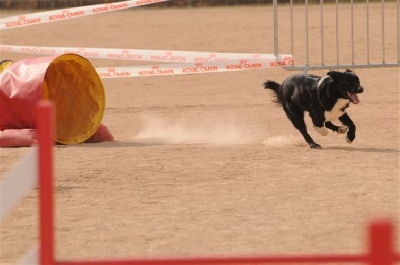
column 325, row 98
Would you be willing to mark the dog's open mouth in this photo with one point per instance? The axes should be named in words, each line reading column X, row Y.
column 353, row 97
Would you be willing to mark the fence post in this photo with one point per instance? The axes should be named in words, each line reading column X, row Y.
column 381, row 248
column 45, row 123
column 275, row 22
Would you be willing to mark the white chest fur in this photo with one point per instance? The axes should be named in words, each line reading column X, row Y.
column 337, row 110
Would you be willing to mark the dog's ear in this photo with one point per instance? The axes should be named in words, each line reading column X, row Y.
column 348, row 71
column 335, row 75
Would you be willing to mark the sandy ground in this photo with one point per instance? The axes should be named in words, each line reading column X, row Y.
column 208, row 164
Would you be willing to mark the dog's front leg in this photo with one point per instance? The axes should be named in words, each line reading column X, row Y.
column 338, row 129
column 351, row 133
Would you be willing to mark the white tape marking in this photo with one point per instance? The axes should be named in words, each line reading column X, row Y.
column 31, row 257
column 18, row 182
column 71, row 13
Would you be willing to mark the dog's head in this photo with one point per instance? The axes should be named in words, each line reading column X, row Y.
column 347, row 84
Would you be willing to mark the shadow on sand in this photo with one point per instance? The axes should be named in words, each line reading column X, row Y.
column 365, row 149
column 113, row 144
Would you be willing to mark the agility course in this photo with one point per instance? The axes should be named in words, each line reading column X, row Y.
column 381, row 232
column 173, row 185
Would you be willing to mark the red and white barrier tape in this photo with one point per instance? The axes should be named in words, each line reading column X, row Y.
column 70, row 13
column 18, row 182
column 145, row 55
column 193, row 68
column 184, row 62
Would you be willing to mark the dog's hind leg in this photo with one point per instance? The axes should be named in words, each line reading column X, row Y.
column 321, row 130
column 318, row 122
column 296, row 116
column 339, row 129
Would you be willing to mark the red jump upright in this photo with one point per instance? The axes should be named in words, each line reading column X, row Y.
column 45, row 132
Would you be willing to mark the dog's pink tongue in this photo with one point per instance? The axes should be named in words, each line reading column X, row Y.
column 354, row 98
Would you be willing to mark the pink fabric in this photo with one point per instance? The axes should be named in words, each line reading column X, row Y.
column 17, row 137
column 28, row 137
column 101, row 135
column 20, row 91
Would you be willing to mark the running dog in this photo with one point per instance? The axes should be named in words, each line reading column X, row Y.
column 324, row 98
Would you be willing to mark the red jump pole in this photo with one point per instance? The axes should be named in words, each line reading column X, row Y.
column 45, row 132
column 381, row 248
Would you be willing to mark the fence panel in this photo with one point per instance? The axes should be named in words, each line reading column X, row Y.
column 345, row 34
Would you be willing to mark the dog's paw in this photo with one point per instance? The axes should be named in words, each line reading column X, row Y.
column 342, row 129
column 350, row 137
column 315, row 146
column 321, row 130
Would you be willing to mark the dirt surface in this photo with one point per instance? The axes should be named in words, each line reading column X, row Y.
column 207, row 164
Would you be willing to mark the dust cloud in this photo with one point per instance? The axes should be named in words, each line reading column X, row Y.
column 283, row 141
column 218, row 130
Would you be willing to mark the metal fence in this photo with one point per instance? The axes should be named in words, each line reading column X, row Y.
column 344, row 35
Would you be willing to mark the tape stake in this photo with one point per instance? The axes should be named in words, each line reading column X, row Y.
column 70, row 13
column 18, row 182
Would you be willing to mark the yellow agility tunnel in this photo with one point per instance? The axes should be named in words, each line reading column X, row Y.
column 69, row 80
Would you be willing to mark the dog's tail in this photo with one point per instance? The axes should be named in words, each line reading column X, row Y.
column 276, row 88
